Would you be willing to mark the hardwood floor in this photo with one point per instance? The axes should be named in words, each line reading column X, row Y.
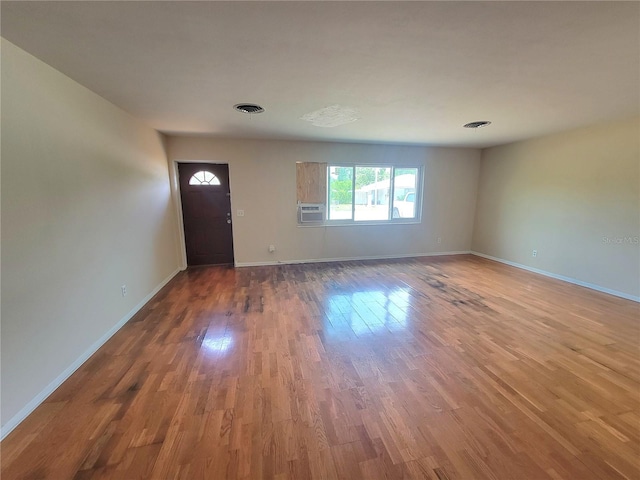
column 437, row 368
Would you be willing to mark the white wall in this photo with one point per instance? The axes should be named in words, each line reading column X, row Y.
column 575, row 197
column 263, row 184
column 86, row 207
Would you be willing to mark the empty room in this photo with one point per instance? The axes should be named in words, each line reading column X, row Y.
column 320, row 240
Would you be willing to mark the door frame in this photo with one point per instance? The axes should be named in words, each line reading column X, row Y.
column 174, row 180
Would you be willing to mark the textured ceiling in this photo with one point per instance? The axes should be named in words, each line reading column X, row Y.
column 411, row 72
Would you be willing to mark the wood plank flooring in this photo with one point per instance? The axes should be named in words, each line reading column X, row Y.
column 438, row 368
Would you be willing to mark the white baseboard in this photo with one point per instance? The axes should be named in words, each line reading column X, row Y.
column 8, row 427
column 348, row 259
column 561, row 277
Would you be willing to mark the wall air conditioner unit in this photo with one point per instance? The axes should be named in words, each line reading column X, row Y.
column 310, row 213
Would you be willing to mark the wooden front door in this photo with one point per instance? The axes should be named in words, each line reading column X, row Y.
column 206, row 211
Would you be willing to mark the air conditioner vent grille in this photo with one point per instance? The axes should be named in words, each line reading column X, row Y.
column 248, row 108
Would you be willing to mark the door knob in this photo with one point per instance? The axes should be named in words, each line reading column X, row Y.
column 228, row 220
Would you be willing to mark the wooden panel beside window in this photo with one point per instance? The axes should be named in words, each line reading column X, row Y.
column 311, row 182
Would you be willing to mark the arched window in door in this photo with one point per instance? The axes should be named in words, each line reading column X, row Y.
column 204, row 178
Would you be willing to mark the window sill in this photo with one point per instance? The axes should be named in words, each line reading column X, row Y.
column 358, row 224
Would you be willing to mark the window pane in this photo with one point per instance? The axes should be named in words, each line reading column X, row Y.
column 204, row 178
column 372, row 193
column 405, row 182
column 340, row 193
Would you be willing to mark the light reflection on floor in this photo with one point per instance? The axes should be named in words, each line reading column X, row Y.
column 218, row 345
column 367, row 312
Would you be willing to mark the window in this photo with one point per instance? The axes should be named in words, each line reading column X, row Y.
column 311, row 187
column 204, row 178
column 365, row 193
column 340, row 193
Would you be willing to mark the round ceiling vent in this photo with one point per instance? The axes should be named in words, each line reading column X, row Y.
column 482, row 123
column 248, row 108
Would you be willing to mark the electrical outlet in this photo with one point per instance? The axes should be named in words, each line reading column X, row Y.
column 272, row 248
column 534, row 253
column 123, row 289
column 439, row 240
column 240, row 213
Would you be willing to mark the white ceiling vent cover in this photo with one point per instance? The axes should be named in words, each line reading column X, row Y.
column 480, row 124
column 331, row 116
column 249, row 108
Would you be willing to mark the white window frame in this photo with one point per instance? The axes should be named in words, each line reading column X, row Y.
column 390, row 220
